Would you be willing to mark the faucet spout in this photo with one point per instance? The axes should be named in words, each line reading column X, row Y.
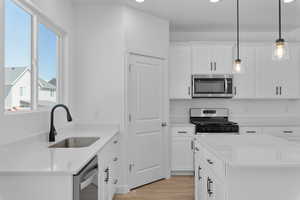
column 53, row 132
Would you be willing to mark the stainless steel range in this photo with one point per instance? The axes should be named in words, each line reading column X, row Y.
column 212, row 121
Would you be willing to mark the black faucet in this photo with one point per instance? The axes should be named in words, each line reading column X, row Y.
column 53, row 132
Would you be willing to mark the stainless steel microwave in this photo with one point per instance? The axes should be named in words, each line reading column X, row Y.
column 212, row 86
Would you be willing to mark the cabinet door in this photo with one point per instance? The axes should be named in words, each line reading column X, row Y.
column 245, row 83
column 223, row 59
column 202, row 59
column 182, row 154
column 268, row 73
column 103, row 185
column 289, row 79
column 215, row 187
column 200, row 186
column 180, row 72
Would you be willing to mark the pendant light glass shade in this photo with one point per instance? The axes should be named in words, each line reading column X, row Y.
column 238, row 67
column 280, row 50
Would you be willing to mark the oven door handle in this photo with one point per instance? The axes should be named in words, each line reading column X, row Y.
column 226, row 86
column 88, row 179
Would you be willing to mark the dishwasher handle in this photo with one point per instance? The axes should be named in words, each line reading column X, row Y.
column 88, row 178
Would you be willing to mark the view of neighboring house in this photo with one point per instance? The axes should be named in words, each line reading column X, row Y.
column 18, row 91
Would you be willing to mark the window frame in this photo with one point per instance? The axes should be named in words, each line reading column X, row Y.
column 37, row 17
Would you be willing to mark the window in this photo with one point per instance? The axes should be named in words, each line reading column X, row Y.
column 29, row 37
column 17, row 57
column 47, row 65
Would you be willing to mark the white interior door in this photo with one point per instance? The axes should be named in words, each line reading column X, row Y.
column 145, row 126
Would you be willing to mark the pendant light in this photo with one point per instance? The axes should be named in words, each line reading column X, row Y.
column 237, row 66
column 280, row 49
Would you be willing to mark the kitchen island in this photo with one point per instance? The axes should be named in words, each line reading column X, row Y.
column 246, row 167
column 30, row 170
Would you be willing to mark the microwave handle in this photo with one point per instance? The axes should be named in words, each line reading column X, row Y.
column 226, row 85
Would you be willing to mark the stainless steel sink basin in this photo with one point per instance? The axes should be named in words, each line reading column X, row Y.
column 75, row 142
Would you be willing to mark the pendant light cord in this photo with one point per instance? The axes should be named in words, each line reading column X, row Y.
column 280, row 34
column 238, row 29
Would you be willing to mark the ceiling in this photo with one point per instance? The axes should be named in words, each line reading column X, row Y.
column 200, row 15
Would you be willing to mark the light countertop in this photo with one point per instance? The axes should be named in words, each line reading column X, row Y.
column 32, row 155
column 253, row 150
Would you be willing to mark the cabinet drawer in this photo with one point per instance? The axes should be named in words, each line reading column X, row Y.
column 250, row 130
column 215, row 164
column 282, row 131
column 183, row 131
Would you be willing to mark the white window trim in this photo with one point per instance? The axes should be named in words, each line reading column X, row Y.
column 39, row 18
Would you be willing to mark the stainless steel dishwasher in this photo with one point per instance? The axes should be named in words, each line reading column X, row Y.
column 85, row 183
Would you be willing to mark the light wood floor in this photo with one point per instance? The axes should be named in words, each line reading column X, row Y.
column 176, row 188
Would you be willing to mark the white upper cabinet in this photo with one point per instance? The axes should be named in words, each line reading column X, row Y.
column 202, row 56
column 245, row 83
column 180, row 71
column 264, row 78
column 212, row 59
column 277, row 79
column 223, row 56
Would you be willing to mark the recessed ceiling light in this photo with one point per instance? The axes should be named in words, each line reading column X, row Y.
column 214, row 1
column 288, row 1
column 140, row 1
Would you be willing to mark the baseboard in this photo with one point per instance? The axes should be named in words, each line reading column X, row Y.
column 182, row 173
column 122, row 189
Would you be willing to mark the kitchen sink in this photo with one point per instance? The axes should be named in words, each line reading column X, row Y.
column 75, row 142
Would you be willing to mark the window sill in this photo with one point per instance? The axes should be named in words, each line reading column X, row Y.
column 28, row 112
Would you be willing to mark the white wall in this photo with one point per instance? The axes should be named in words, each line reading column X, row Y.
column 99, row 76
column 105, row 33
column 243, row 111
column 17, row 126
column 146, row 34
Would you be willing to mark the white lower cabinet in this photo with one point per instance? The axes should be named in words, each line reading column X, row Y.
column 290, row 133
column 182, row 148
column 251, row 130
column 241, row 182
column 109, row 169
column 281, row 131
column 209, row 176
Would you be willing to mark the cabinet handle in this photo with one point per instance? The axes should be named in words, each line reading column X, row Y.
column 235, row 91
column 192, row 145
column 182, row 132
column 116, row 142
column 189, row 91
column 288, row 132
column 211, row 66
column 116, row 181
column 280, row 90
column 209, row 186
column 199, row 173
column 210, row 162
column 215, row 66
column 277, row 91
column 250, row 131
column 107, row 175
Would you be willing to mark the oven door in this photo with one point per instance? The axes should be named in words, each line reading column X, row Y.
column 212, row 86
